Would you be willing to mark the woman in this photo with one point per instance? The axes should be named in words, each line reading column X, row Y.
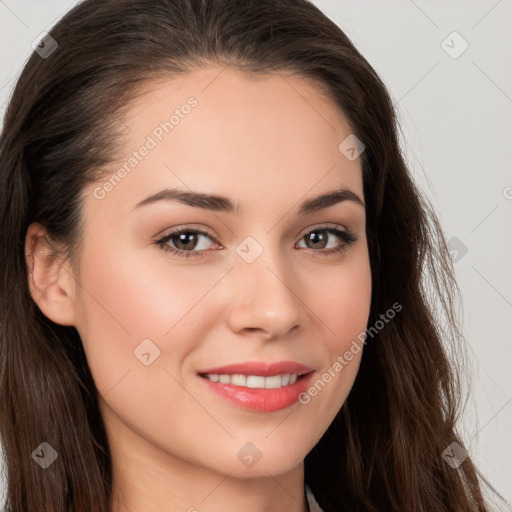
column 212, row 295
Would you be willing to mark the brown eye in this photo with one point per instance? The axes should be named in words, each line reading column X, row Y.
column 186, row 242
column 320, row 238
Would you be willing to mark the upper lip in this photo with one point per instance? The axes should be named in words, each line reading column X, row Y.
column 261, row 368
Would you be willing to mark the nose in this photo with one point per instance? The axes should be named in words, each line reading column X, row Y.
column 263, row 298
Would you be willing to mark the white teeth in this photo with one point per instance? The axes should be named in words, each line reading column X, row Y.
column 254, row 381
column 273, row 382
column 239, row 380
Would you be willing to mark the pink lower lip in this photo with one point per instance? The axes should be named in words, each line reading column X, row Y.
column 259, row 399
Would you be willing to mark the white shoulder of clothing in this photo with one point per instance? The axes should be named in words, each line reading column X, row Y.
column 313, row 504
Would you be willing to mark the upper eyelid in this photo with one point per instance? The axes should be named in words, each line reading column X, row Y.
column 186, row 229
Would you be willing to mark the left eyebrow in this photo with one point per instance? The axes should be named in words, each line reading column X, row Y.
column 329, row 199
column 224, row 204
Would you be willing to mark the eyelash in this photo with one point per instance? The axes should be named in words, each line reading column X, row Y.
column 347, row 237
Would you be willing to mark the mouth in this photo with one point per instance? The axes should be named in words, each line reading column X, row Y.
column 258, row 386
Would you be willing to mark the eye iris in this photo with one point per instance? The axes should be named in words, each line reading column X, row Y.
column 182, row 240
column 318, row 237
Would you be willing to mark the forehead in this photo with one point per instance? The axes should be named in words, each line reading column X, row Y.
column 221, row 130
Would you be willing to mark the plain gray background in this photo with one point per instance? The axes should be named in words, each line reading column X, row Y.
column 455, row 109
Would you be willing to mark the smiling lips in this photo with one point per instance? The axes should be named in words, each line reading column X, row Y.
column 259, row 386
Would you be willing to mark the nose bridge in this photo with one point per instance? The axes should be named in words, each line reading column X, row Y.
column 264, row 297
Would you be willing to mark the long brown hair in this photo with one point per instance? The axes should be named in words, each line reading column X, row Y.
column 383, row 451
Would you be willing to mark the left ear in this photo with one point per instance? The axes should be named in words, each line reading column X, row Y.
column 51, row 280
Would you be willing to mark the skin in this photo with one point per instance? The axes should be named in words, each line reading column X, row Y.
column 268, row 144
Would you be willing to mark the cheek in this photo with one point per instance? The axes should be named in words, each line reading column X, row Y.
column 340, row 296
column 125, row 301
column 143, row 294
column 343, row 307
column 349, row 308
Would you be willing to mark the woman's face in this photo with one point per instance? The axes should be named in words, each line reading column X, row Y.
column 253, row 289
